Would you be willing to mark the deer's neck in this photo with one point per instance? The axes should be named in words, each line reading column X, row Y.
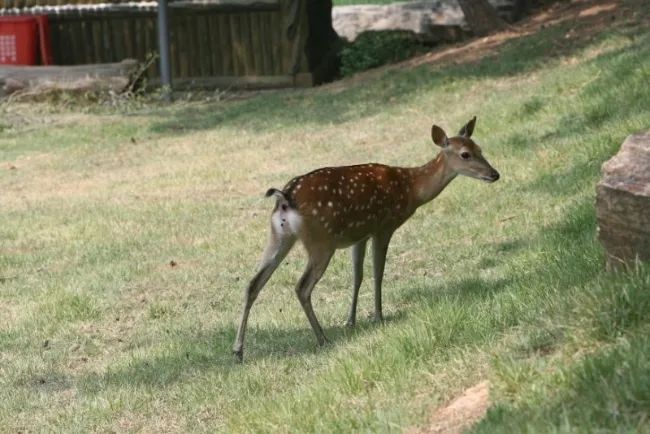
column 429, row 180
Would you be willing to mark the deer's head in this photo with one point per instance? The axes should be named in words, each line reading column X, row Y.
column 463, row 155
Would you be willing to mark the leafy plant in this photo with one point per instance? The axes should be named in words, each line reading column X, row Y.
column 372, row 49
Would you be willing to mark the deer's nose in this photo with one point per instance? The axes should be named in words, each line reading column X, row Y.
column 494, row 175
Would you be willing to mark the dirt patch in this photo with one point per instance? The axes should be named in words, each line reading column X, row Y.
column 459, row 414
column 597, row 9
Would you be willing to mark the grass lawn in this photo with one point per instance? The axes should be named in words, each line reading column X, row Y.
column 101, row 331
column 363, row 2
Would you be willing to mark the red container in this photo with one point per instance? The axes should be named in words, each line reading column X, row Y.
column 19, row 39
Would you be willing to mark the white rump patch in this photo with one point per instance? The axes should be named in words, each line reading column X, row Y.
column 295, row 221
column 286, row 221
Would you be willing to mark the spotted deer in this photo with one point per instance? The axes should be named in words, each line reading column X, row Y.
column 337, row 207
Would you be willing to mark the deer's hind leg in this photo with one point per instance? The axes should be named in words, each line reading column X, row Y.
column 358, row 255
column 280, row 243
column 379, row 251
column 319, row 259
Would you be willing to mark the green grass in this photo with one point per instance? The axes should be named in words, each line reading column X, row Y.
column 505, row 282
column 364, row 2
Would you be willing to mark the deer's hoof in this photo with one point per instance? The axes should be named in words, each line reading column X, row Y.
column 239, row 355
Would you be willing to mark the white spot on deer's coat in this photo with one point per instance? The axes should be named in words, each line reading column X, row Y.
column 314, row 211
column 330, row 204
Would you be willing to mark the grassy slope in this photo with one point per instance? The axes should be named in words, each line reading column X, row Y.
column 361, row 2
column 503, row 281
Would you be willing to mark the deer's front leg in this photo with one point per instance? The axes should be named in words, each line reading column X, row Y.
column 379, row 250
column 358, row 255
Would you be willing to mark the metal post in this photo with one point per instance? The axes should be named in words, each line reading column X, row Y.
column 163, row 48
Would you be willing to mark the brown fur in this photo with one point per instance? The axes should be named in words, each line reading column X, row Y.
column 337, row 207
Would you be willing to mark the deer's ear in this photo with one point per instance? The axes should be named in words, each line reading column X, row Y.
column 439, row 136
column 468, row 129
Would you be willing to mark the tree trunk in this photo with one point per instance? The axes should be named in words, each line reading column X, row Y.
column 481, row 17
column 323, row 44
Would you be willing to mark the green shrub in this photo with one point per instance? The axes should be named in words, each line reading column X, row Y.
column 372, row 49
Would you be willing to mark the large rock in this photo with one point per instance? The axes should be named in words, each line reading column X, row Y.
column 427, row 18
column 417, row 17
column 623, row 203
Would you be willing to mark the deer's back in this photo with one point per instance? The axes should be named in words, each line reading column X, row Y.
column 347, row 204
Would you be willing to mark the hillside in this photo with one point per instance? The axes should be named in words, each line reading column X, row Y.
column 129, row 232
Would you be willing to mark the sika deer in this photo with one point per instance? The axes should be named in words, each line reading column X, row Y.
column 336, row 207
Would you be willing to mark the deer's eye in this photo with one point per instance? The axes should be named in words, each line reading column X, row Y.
column 465, row 155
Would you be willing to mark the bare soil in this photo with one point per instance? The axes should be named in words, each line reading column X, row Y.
column 459, row 414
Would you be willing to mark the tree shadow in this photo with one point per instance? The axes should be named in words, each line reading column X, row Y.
column 584, row 394
column 570, row 180
column 188, row 353
column 317, row 107
column 458, row 290
column 568, row 265
column 501, row 249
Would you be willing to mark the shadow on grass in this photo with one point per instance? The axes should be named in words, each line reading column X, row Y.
column 573, row 257
column 282, row 109
column 188, row 354
column 608, row 391
column 473, row 289
column 508, row 247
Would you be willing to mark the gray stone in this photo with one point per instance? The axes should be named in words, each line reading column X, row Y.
column 623, row 203
column 424, row 18
column 417, row 17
